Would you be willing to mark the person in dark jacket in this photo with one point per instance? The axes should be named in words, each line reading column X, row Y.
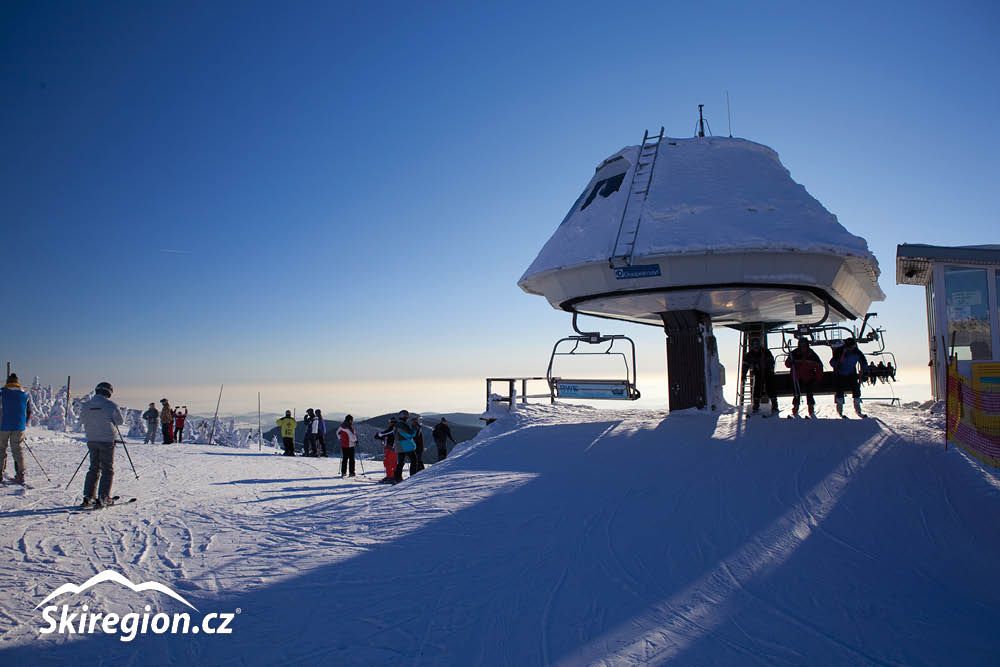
column 418, row 440
column 101, row 417
column 807, row 369
column 308, row 440
column 441, row 435
column 319, row 434
column 152, row 418
column 850, row 366
column 760, row 362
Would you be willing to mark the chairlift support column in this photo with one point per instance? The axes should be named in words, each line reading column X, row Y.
column 693, row 369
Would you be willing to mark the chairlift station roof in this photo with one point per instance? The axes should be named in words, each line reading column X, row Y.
column 722, row 228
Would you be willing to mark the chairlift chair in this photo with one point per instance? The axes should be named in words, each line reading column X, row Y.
column 591, row 388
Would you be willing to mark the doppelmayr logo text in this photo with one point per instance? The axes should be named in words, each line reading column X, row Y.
column 62, row 619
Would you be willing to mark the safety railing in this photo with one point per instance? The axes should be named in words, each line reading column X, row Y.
column 511, row 384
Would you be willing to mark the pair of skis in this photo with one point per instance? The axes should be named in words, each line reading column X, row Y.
column 116, row 501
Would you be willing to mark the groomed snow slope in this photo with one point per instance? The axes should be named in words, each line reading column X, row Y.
column 561, row 535
column 711, row 194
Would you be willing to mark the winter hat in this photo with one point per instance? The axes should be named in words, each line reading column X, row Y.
column 403, row 415
column 288, row 413
column 104, row 389
column 803, row 342
column 12, row 379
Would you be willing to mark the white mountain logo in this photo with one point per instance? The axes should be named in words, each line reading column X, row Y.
column 111, row 575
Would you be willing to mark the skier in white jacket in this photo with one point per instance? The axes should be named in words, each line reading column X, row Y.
column 100, row 416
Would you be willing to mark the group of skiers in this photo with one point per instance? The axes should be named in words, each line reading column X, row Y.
column 313, row 433
column 170, row 421
column 100, row 417
column 402, row 441
column 849, row 364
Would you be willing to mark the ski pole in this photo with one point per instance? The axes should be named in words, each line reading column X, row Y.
column 122, row 440
column 25, row 443
column 361, row 461
column 77, row 469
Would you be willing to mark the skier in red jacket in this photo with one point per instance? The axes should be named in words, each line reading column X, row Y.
column 807, row 370
column 348, row 439
column 180, row 414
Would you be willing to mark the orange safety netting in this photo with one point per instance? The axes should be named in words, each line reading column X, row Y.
column 973, row 411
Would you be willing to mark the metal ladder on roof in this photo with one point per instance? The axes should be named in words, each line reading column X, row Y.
column 642, row 179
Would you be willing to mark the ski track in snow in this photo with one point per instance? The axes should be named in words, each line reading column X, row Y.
column 562, row 535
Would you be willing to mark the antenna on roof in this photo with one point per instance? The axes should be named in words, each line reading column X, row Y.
column 729, row 115
column 700, row 130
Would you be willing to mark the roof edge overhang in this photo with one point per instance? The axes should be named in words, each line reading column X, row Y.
column 914, row 260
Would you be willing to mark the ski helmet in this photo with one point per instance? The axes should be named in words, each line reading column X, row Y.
column 104, row 389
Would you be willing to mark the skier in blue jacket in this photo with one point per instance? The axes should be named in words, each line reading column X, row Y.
column 15, row 412
column 846, row 362
column 406, row 447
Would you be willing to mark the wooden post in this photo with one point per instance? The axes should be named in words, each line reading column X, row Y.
column 260, row 430
column 66, row 419
column 8, row 371
column 524, row 391
column 215, row 419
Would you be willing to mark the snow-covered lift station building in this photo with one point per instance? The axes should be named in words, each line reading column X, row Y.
column 687, row 234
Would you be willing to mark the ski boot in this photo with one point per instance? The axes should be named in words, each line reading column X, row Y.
column 812, row 412
column 840, row 409
column 104, row 502
column 19, row 479
column 87, row 503
column 857, row 409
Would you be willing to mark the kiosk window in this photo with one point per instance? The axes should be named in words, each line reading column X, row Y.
column 967, row 300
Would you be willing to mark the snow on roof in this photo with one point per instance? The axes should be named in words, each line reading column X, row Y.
column 708, row 194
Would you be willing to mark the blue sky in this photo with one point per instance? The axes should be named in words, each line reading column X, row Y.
column 318, row 194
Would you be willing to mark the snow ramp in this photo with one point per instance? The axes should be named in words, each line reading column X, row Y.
column 572, row 536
